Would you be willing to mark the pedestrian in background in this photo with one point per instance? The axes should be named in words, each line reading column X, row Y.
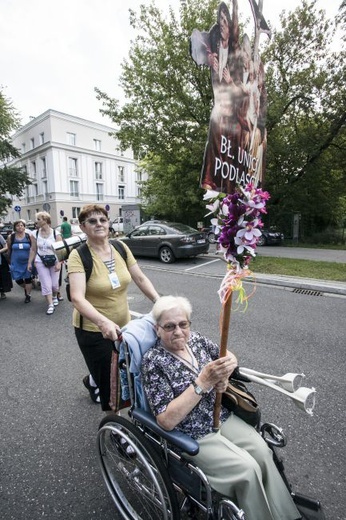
column 66, row 232
column 5, row 274
column 21, row 251
column 65, row 228
column 48, row 274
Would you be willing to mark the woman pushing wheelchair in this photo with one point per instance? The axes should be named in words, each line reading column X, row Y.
column 181, row 374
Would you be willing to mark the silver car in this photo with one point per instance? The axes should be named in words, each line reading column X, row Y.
column 166, row 241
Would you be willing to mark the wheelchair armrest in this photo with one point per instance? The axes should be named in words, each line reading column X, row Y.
column 175, row 437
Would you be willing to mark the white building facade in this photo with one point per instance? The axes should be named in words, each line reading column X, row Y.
column 72, row 162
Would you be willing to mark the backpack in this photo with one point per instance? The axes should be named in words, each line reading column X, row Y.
column 13, row 236
column 84, row 253
column 54, row 233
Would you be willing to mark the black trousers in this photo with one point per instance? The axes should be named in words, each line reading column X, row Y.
column 97, row 353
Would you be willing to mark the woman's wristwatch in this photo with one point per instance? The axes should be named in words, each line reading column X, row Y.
column 198, row 389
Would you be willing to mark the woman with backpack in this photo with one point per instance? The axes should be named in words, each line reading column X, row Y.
column 21, row 251
column 99, row 295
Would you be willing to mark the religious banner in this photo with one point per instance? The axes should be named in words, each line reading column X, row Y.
column 237, row 140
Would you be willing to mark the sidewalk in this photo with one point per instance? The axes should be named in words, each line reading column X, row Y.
column 311, row 284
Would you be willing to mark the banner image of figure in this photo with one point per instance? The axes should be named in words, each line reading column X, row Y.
column 235, row 150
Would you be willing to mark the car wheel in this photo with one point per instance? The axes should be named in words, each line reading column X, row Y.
column 212, row 238
column 262, row 241
column 166, row 255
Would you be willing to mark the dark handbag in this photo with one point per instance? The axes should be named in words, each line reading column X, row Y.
column 48, row 260
column 241, row 402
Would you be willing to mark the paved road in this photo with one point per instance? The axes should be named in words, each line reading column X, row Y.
column 49, row 467
column 323, row 255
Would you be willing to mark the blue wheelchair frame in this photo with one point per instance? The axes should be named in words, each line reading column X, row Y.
column 143, row 465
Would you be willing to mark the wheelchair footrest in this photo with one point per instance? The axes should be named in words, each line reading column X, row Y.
column 309, row 507
column 182, row 441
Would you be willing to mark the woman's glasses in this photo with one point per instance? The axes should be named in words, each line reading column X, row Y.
column 170, row 327
column 94, row 221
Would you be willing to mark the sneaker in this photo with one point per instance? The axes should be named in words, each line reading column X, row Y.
column 93, row 390
column 27, row 298
column 50, row 309
column 55, row 302
column 60, row 298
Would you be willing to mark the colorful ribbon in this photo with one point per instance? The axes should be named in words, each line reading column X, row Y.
column 233, row 281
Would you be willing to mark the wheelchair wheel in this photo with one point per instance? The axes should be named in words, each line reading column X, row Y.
column 134, row 473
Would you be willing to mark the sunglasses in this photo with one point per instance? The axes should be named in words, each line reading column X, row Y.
column 170, row 327
column 94, row 221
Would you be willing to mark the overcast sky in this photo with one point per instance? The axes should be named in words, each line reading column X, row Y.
column 54, row 52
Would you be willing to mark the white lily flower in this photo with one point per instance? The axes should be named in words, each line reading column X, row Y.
column 211, row 194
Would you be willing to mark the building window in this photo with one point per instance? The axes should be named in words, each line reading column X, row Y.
column 97, row 145
column 33, row 169
column 32, row 143
column 99, row 191
column 72, row 167
column 139, row 176
column 98, row 170
column 74, row 188
column 35, row 190
column 121, row 192
column 45, row 192
column 43, row 165
column 71, row 139
column 23, row 147
column 42, row 138
column 29, row 214
column 121, row 174
column 75, row 212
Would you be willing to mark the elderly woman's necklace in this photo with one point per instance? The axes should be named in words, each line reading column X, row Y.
column 191, row 363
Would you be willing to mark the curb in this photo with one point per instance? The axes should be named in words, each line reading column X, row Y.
column 309, row 284
column 303, row 283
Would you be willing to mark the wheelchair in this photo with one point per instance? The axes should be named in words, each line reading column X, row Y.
column 143, row 466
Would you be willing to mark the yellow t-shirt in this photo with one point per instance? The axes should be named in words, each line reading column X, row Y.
column 111, row 303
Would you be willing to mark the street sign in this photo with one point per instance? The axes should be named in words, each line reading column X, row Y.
column 17, row 209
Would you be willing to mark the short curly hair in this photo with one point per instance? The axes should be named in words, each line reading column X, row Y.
column 167, row 303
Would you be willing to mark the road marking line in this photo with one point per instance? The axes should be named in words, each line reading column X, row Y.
column 202, row 265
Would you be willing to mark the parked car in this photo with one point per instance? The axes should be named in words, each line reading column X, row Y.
column 6, row 230
column 270, row 236
column 75, row 229
column 166, row 241
column 118, row 225
column 210, row 234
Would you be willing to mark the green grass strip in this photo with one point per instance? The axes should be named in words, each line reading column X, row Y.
column 302, row 268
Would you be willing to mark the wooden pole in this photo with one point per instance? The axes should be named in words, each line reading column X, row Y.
column 225, row 322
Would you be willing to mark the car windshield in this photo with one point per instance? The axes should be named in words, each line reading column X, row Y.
column 181, row 228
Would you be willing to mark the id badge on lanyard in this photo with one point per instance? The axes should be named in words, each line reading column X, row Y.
column 113, row 278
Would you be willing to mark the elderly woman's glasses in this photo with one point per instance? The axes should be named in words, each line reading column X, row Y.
column 94, row 221
column 170, row 327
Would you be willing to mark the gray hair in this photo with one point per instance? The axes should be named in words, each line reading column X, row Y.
column 167, row 303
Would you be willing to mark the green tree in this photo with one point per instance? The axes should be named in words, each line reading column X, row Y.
column 12, row 179
column 165, row 118
column 306, row 119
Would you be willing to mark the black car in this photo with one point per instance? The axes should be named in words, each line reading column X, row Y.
column 166, row 241
column 6, row 230
column 270, row 236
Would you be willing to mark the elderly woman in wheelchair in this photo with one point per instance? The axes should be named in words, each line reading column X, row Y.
column 168, row 448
